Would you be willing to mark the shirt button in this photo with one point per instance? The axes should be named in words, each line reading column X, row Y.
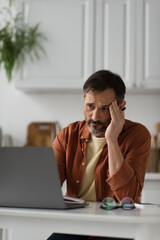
column 77, row 181
column 83, row 163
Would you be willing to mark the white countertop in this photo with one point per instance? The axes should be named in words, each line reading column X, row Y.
column 152, row 176
column 140, row 224
column 92, row 213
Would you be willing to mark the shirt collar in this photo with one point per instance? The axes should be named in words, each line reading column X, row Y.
column 85, row 134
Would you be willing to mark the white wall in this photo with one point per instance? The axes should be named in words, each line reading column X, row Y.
column 18, row 109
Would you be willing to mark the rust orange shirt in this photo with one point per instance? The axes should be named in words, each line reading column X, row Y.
column 134, row 141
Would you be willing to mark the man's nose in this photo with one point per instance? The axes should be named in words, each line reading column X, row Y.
column 96, row 115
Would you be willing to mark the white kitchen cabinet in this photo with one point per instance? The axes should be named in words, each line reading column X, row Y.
column 68, row 26
column 128, row 40
column 115, row 38
column 148, row 43
column 87, row 35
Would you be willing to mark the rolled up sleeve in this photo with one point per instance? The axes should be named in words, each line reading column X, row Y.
column 128, row 180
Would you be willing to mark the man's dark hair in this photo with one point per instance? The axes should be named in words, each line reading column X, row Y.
column 104, row 79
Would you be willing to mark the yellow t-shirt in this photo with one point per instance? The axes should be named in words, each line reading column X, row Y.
column 93, row 151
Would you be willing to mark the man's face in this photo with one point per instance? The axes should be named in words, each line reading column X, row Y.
column 96, row 110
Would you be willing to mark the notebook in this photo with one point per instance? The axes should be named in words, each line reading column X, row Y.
column 29, row 179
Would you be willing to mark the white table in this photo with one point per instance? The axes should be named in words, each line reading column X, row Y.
column 140, row 224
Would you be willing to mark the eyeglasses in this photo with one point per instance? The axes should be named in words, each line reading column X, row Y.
column 109, row 203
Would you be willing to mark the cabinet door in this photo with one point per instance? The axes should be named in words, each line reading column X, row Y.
column 69, row 31
column 148, row 43
column 115, row 38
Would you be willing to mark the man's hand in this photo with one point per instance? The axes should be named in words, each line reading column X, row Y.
column 115, row 157
column 116, row 124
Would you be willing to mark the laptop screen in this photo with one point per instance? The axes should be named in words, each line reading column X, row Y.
column 29, row 178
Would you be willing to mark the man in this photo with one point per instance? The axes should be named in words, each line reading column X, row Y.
column 105, row 155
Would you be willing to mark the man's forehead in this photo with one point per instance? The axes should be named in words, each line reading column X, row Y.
column 104, row 98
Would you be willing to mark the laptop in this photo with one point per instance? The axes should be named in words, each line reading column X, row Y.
column 29, row 178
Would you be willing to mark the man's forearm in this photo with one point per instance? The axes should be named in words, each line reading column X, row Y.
column 115, row 157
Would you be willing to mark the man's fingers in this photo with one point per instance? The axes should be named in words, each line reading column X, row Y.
column 116, row 113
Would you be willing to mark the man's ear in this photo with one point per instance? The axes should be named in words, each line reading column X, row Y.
column 122, row 105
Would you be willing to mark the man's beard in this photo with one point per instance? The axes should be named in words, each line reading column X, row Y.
column 93, row 130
